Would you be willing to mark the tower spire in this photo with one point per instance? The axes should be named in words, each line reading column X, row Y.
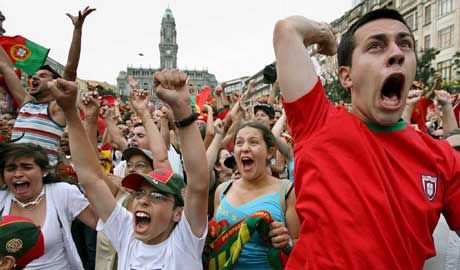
column 168, row 46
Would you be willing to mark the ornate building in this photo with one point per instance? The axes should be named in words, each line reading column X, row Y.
column 168, row 59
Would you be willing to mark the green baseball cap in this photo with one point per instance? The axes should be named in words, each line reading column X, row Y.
column 163, row 179
column 21, row 239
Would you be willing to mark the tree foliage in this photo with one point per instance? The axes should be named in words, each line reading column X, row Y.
column 334, row 89
column 425, row 71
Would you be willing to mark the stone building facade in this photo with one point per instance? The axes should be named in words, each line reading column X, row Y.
column 168, row 59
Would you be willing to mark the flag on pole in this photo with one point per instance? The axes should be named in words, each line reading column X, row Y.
column 26, row 55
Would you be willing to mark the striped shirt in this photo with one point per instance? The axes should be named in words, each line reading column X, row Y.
column 34, row 125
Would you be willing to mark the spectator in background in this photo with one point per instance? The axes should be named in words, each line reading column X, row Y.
column 40, row 119
column 33, row 192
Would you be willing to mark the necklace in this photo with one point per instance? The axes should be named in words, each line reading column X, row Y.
column 34, row 202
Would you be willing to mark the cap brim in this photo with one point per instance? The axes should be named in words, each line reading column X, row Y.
column 131, row 151
column 133, row 181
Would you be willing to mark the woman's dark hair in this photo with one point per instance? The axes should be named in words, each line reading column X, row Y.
column 14, row 151
column 347, row 43
column 267, row 134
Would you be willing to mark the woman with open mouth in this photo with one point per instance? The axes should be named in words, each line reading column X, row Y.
column 32, row 192
column 256, row 190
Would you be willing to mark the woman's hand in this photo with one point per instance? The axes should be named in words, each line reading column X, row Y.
column 279, row 234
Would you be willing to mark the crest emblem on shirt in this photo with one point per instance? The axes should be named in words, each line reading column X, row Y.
column 429, row 184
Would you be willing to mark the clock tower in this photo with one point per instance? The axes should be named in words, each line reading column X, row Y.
column 168, row 45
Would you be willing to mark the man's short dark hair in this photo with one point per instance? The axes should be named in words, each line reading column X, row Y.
column 138, row 125
column 347, row 43
column 56, row 75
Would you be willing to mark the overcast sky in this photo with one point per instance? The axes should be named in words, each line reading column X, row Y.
column 229, row 38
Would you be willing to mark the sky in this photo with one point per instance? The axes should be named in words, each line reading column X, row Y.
column 228, row 38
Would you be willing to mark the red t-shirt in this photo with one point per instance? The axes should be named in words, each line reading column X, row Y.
column 420, row 111
column 368, row 197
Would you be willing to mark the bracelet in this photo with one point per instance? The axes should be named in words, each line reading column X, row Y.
column 186, row 121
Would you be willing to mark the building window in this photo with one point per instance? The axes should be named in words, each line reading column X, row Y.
column 445, row 37
column 427, row 42
column 446, row 69
column 444, row 7
column 412, row 21
column 406, row 2
column 427, row 17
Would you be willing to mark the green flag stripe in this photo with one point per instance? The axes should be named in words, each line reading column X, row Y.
column 32, row 63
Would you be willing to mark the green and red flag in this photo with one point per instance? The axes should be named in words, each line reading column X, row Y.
column 224, row 243
column 25, row 55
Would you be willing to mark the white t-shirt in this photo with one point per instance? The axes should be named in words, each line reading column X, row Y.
column 182, row 249
column 55, row 256
column 447, row 245
column 176, row 161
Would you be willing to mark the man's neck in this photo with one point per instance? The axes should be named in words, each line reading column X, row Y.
column 43, row 99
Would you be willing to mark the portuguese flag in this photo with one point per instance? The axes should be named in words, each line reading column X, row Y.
column 24, row 54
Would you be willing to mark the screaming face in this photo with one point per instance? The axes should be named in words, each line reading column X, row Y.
column 382, row 70
column 155, row 214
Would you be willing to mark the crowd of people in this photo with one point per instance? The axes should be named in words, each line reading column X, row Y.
column 287, row 181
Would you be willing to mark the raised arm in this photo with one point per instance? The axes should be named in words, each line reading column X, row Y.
column 172, row 88
column 449, row 122
column 273, row 92
column 139, row 102
column 412, row 98
column 166, row 125
column 70, row 70
column 213, row 149
column 296, row 74
column 436, row 86
column 11, row 79
column 281, row 144
column 84, row 158
column 210, row 132
column 111, row 127
column 90, row 105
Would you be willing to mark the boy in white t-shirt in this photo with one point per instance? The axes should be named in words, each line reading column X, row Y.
column 166, row 231
column 159, row 201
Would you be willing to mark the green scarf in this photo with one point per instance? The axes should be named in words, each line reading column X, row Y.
column 225, row 244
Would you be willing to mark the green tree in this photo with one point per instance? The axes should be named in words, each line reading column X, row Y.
column 456, row 64
column 334, row 89
column 425, row 71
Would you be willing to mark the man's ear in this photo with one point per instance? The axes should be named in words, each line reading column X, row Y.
column 7, row 262
column 178, row 213
column 345, row 77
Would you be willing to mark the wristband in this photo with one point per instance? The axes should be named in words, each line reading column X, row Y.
column 186, row 121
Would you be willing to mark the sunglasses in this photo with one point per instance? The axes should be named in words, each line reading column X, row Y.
column 153, row 196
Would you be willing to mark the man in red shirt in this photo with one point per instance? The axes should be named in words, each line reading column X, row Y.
column 369, row 189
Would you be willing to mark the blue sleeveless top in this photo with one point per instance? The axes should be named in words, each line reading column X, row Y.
column 254, row 253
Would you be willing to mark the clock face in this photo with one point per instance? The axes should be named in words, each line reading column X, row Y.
column 168, row 51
